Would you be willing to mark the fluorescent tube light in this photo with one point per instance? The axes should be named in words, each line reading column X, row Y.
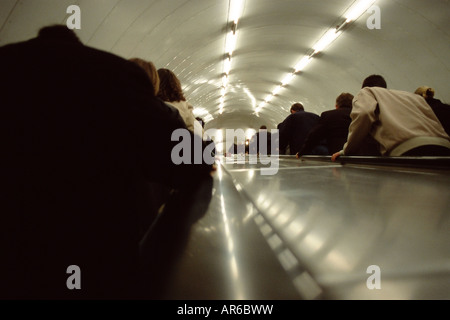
column 230, row 43
column 236, row 7
column 276, row 90
column 227, row 65
column 261, row 105
column 287, row 79
column 268, row 98
column 326, row 40
column 357, row 9
column 225, row 80
column 302, row 64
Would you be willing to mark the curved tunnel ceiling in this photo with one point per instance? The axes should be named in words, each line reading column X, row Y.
column 410, row 49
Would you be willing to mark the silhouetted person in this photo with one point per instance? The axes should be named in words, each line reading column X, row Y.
column 262, row 138
column 155, row 194
column 401, row 122
column 332, row 130
column 332, row 127
column 82, row 132
column 295, row 128
column 442, row 110
column 171, row 92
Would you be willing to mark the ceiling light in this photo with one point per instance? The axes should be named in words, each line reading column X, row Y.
column 268, row 98
column 357, row 9
column 326, row 40
column 353, row 13
column 230, row 43
column 302, row 63
column 261, row 105
column 227, row 65
column 225, row 80
column 234, row 14
column 251, row 96
column 276, row 90
column 287, row 79
column 236, row 7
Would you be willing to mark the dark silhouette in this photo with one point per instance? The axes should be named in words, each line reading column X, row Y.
column 332, row 127
column 82, row 133
column 442, row 110
column 295, row 128
column 330, row 134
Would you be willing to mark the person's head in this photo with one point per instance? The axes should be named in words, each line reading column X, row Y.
column 297, row 107
column 374, row 80
column 58, row 33
column 169, row 86
column 151, row 71
column 263, row 127
column 426, row 92
column 344, row 100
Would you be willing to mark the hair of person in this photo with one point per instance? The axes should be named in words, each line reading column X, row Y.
column 297, row 107
column 169, row 86
column 58, row 32
column 202, row 122
column 374, row 80
column 263, row 127
column 151, row 71
column 344, row 100
column 425, row 92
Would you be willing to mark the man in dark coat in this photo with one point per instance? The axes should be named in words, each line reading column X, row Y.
column 332, row 127
column 442, row 110
column 82, row 133
column 295, row 128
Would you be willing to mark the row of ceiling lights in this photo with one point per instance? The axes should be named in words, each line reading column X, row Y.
column 235, row 11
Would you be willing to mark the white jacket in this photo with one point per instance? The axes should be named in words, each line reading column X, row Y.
column 393, row 117
column 186, row 112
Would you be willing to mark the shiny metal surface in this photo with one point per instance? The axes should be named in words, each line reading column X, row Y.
column 312, row 230
column 339, row 220
column 223, row 256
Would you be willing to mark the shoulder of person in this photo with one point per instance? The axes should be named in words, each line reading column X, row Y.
column 370, row 92
column 438, row 103
column 17, row 45
column 312, row 114
column 330, row 113
column 181, row 103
